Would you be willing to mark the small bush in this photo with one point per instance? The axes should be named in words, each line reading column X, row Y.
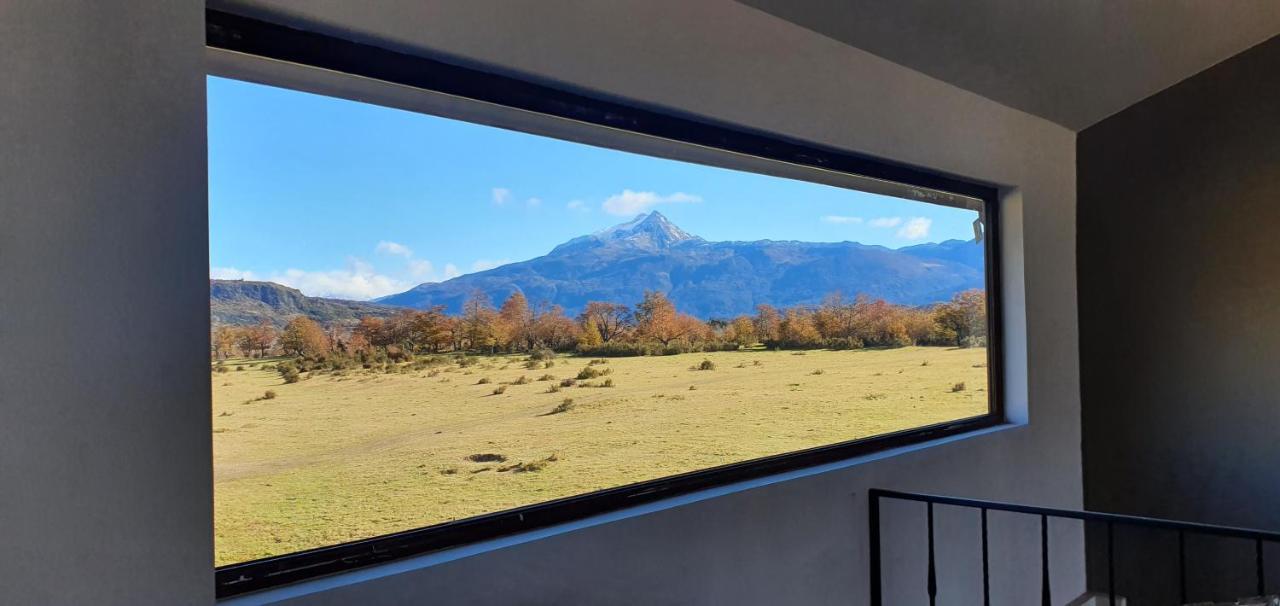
column 541, row 355
column 239, row 368
column 704, row 365
column 547, row 378
column 818, row 372
column 693, row 387
column 874, row 396
column 590, row 372
column 549, row 364
column 567, row 382
column 564, row 406
column 607, row 383
column 553, row 388
column 465, row 361
column 220, row 368
column 523, row 380
column 482, row 381
column 597, row 361
column 487, row 457
column 958, row 387
column 269, row 395
column 924, row 363
column 499, row 390
column 289, row 373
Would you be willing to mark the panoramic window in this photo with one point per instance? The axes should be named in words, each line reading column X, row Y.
column 417, row 319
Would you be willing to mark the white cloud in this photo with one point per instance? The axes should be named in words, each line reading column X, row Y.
column 533, row 202
column 629, row 202
column 916, row 228
column 501, row 195
column 578, row 205
column 231, row 273
column 451, row 271
column 393, row 248
column 841, row 219
column 885, row 222
column 421, row 268
column 483, row 264
column 359, row 281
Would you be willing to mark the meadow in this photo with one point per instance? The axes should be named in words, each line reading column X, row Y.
column 351, row 454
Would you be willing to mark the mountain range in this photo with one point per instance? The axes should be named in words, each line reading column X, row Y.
column 712, row 279
column 705, row 279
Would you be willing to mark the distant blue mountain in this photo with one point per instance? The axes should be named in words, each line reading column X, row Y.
column 712, row 279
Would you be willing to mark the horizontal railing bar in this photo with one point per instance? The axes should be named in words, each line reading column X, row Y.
column 1225, row 531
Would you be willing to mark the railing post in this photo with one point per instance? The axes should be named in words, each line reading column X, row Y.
column 1046, row 598
column 1111, row 565
column 1262, row 578
column 1182, row 567
column 873, row 536
column 933, row 571
column 986, row 575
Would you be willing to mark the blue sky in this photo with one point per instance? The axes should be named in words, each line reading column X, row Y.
column 345, row 199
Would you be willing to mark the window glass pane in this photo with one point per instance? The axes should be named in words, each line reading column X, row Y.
column 417, row 319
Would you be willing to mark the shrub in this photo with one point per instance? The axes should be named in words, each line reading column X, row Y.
column 567, row 382
column 269, row 395
column 692, row 387
column 288, row 371
column 705, row 365
column 924, row 363
column 465, row 361
column 564, row 406
column 818, row 372
column 482, row 381
column 486, row 457
column 239, row 367
column 597, row 361
column 553, row 388
column 541, row 355
column 547, row 378
column 523, row 380
column 957, row 387
column 607, row 383
column 548, row 363
column 590, row 372
column 219, row 368
column 499, row 390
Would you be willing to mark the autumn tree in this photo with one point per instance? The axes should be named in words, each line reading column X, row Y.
column 480, row 321
column 657, row 320
column 767, row 322
column 551, row 328
column 796, row 329
column 223, row 341
column 257, row 339
column 371, row 331
column 302, row 336
column 611, row 320
column 965, row 317
column 516, row 322
column 742, row 330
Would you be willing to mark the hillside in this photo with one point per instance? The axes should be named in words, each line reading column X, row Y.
column 712, row 279
column 240, row 302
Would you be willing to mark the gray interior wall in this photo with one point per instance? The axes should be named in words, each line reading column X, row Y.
column 104, row 452
column 1179, row 317
column 105, row 482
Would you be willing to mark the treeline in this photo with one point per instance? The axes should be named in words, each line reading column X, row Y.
column 652, row 327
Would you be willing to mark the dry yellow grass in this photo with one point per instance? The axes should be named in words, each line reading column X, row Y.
column 338, row 458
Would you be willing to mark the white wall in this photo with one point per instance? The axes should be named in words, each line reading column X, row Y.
column 104, row 217
column 105, row 481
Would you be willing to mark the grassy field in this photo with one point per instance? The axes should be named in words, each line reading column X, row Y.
column 336, row 458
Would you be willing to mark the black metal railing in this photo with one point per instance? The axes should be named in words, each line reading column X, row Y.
column 1110, row 521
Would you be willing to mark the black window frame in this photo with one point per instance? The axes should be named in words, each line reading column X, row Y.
column 264, row 39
